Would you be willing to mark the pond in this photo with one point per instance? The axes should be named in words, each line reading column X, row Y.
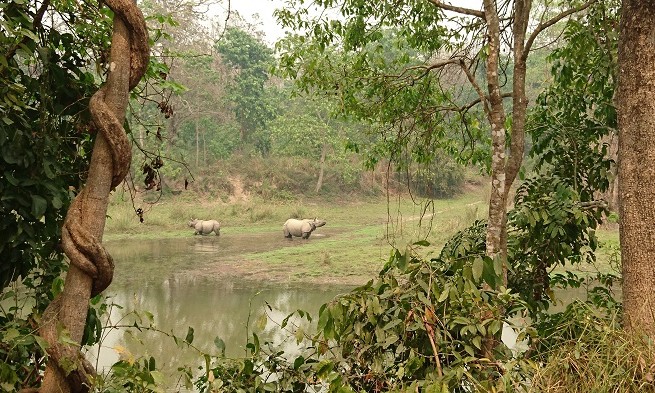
column 173, row 280
column 166, row 278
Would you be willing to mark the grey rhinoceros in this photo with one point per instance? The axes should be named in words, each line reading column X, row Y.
column 301, row 228
column 205, row 227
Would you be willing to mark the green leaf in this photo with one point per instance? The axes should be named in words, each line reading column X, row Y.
column 10, row 334
column 478, row 265
column 444, row 294
column 498, row 265
column 255, row 341
column 323, row 319
column 39, row 205
column 390, row 339
column 324, row 368
column 220, row 344
column 477, row 342
column 56, row 202
column 489, row 274
column 248, row 367
column 189, row 335
column 158, row 377
column 402, row 261
column 261, row 322
column 299, row 335
column 300, row 360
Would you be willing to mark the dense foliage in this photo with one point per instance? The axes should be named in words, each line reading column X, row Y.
column 43, row 138
column 45, row 79
column 421, row 324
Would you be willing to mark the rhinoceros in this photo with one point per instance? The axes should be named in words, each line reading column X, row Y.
column 301, row 228
column 205, row 227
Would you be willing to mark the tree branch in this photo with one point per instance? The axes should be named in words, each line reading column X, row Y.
column 459, row 10
column 482, row 97
column 427, row 68
column 593, row 205
column 544, row 25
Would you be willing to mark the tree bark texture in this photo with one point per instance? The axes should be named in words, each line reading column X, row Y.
column 197, row 144
column 497, row 200
column 612, row 193
column 319, row 183
column 636, row 119
column 91, row 267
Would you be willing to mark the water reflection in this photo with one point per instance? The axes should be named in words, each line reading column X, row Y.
column 151, row 278
column 156, row 259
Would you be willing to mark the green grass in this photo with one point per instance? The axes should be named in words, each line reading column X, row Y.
column 358, row 238
column 608, row 257
column 359, row 235
column 169, row 218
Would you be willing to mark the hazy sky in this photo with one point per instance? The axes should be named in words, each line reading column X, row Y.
column 264, row 9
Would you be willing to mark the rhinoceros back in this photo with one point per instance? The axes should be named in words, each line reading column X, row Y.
column 205, row 227
column 301, row 228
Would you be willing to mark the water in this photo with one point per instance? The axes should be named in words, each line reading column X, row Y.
column 189, row 283
column 169, row 279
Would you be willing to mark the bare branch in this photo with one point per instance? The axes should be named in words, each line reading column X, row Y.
column 459, row 10
column 593, row 205
column 427, row 68
column 544, row 25
column 482, row 97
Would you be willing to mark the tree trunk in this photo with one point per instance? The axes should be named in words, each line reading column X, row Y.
column 636, row 118
column 319, row 183
column 91, row 268
column 171, row 131
column 496, row 114
column 612, row 194
column 204, row 147
column 197, row 144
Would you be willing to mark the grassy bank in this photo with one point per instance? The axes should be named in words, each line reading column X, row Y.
column 351, row 248
column 401, row 216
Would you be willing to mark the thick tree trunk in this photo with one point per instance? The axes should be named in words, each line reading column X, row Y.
column 636, row 108
column 319, row 183
column 91, row 268
column 77, row 288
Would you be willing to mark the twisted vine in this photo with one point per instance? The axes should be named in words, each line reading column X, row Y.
column 83, row 248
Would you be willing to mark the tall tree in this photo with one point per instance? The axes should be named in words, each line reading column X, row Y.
column 306, row 129
column 422, row 95
column 250, row 60
column 91, row 267
column 204, row 103
column 636, row 119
